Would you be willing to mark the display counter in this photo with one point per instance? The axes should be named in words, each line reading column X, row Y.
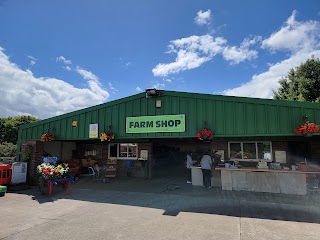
column 264, row 180
column 197, row 178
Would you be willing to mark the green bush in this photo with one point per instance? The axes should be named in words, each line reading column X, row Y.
column 8, row 149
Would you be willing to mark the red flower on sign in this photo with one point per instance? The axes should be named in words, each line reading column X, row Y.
column 205, row 134
column 307, row 128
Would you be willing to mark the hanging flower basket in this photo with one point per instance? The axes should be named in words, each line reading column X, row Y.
column 205, row 134
column 106, row 136
column 47, row 137
column 307, row 129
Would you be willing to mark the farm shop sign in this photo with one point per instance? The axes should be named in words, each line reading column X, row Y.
column 148, row 124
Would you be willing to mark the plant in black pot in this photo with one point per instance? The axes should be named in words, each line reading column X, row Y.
column 205, row 134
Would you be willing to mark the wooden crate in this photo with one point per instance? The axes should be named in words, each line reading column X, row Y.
column 111, row 168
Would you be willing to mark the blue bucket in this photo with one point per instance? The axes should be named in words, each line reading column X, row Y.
column 129, row 163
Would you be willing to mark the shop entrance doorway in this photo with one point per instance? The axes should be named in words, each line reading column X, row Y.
column 169, row 159
column 169, row 156
column 299, row 151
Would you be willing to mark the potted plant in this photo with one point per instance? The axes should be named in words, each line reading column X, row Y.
column 48, row 171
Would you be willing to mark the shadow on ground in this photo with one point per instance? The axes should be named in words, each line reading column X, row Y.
column 173, row 195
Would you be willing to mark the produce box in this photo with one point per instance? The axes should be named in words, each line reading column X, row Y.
column 3, row 190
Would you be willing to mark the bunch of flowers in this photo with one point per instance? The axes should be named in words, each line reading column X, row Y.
column 106, row 136
column 205, row 134
column 307, row 128
column 52, row 172
column 47, row 137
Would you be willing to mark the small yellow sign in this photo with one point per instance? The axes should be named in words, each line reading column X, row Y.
column 75, row 124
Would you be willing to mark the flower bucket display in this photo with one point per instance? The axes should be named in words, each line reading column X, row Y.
column 106, row 136
column 205, row 134
column 307, row 129
column 47, row 137
column 48, row 171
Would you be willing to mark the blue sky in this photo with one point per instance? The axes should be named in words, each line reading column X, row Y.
column 60, row 56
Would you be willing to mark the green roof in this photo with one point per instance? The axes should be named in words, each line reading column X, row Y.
column 227, row 116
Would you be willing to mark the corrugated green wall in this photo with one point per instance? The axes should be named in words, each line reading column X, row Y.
column 226, row 116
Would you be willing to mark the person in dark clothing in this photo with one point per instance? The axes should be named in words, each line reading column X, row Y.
column 145, row 166
column 206, row 167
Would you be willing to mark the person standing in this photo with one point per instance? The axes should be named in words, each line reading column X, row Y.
column 189, row 165
column 216, row 158
column 145, row 166
column 206, row 167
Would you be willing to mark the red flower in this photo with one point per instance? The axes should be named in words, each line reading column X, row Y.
column 306, row 128
column 106, row 136
column 47, row 137
column 205, row 134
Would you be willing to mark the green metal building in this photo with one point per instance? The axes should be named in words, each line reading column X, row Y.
column 233, row 120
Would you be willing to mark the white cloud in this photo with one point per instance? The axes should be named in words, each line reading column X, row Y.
column 111, row 87
column 33, row 60
column 262, row 85
column 22, row 93
column 167, row 80
column 63, row 60
column 191, row 52
column 159, row 85
column 67, row 68
column 138, row 89
column 87, row 75
column 31, row 57
column 93, row 81
column 203, row 18
column 239, row 54
column 294, row 36
column 301, row 38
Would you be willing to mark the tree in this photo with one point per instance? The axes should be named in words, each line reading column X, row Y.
column 9, row 127
column 302, row 83
column 8, row 149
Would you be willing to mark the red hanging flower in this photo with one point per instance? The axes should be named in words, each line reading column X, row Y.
column 47, row 137
column 205, row 134
column 307, row 128
column 106, row 136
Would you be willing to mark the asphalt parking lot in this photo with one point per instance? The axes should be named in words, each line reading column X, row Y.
column 151, row 210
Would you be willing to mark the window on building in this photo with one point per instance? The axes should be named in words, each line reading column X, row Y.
column 250, row 151
column 123, row 150
column 235, row 151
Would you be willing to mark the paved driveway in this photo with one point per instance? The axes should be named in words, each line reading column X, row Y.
column 101, row 212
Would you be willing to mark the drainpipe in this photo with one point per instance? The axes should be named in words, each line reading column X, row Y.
column 18, row 151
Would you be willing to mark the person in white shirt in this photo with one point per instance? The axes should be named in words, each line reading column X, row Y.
column 189, row 164
column 206, row 167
